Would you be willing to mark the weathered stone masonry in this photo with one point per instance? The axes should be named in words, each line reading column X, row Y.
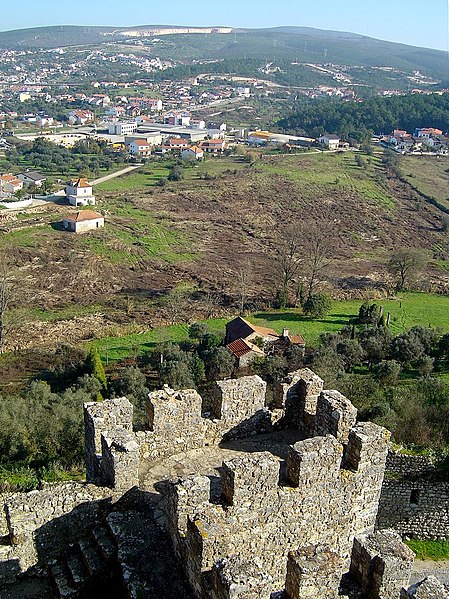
column 293, row 519
column 413, row 502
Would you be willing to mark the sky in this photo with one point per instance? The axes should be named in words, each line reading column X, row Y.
column 415, row 22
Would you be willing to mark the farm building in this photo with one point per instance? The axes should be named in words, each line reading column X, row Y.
column 82, row 221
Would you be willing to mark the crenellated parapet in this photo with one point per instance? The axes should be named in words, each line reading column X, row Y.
column 270, row 507
column 292, row 511
column 103, row 417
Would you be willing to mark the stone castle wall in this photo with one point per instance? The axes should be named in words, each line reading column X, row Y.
column 40, row 524
column 413, row 502
column 415, row 508
column 268, row 522
column 326, row 492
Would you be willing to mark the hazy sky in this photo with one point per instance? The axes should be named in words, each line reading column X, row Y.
column 415, row 22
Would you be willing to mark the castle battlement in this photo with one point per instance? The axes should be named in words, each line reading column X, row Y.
column 280, row 499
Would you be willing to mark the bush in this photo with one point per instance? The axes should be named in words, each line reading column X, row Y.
column 198, row 330
column 317, row 306
column 369, row 314
column 176, row 173
column 387, row 372
column 220, row 364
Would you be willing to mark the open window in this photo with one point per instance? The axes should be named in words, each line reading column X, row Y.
column 414, row 497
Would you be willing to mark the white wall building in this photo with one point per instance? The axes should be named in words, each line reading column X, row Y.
column 120, row 128
column 82, row 221
column 79, row 193
column 330, row 141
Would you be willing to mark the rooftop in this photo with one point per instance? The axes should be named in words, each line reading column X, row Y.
column 83, row 215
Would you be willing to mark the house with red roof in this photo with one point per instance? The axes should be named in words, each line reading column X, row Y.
column 140, row 147
column 192, row 153
column 247, row 341
column 82, row 221
column 10, row 183
column 79, row 192
column 213, row 146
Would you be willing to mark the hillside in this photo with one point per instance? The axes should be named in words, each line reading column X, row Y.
column 299, row 44
column 52, row 37
column 202, row 231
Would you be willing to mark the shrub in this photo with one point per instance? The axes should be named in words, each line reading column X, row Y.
column 317, row 306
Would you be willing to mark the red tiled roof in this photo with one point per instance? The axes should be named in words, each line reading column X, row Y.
column 81, row 182
column 83, row 215
column 240, row 348
column 140, row 142
column 195, row 149
column 177, row 141
column 296, row 339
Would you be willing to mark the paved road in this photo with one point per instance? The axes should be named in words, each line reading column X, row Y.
column 128, row 169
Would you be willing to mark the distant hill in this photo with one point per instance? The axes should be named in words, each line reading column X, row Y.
column 58, row 36
column 300, row 44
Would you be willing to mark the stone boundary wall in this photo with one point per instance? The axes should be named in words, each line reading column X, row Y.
column 42, row 523
column 415, row 508
column 409, row 465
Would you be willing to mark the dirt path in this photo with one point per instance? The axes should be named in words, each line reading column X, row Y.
column 424, row 568
column 124, row 171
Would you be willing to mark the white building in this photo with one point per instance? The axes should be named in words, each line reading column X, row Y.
column 31, row 177
column 329, row 141
column 140, row 147
column 192, row 153
column 10, row 183
column 79, row 193
column 44, row 121
column 82, row 221
column 154, row 138
column 121, row 128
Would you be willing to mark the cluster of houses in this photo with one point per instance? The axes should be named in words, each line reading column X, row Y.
column 11, row 184
column 178, row 133
column 246, row 341
column 425, row 139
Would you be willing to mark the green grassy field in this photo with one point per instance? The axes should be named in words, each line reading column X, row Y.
column 147, row 176
column 434, row 550
column 428, row 174
column 333, row 170
column 408, row 310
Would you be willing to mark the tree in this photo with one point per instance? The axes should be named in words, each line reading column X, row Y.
column 220, row 364
column 317, row 256
column 175, row 303
column 369, row 314
column 176, row 375
column 132, row 384
column 176, row 173
column 359, row 160
column 407, row 348
column 243, row 280
column 288, row 263
column 405, row 264
column 387, row 372
column 198, row 330
column 94, row 366
column 47, row 186
column 317, row 306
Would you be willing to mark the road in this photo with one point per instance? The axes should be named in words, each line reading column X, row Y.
column 41, row 200
column 128, row 169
